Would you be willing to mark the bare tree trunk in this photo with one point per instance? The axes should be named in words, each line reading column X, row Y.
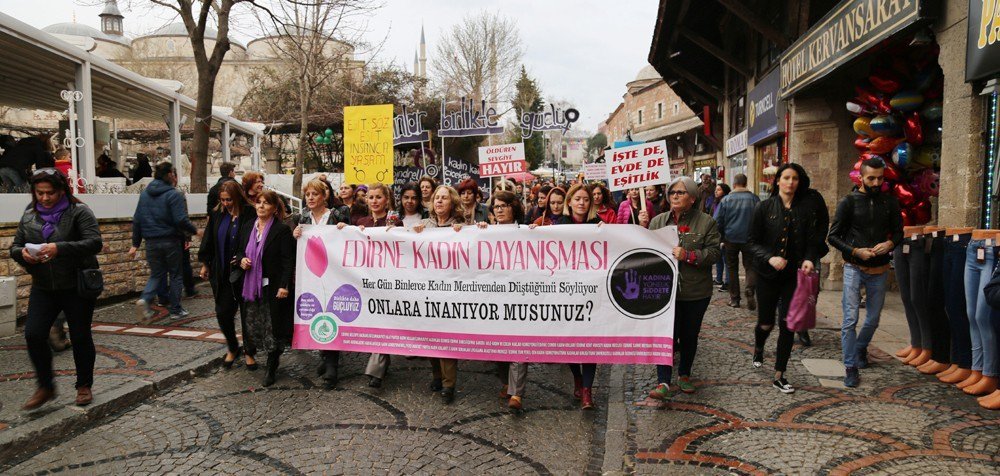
column 202, row 132
column 305, row 98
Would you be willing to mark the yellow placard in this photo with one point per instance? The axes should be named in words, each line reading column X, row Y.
column 368, row 144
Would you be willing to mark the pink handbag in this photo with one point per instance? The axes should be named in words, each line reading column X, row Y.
column 802, row 309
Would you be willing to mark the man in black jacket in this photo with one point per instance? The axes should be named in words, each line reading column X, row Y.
column 866, row 228
column 228, row 172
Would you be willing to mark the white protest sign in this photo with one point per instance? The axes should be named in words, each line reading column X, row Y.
column 597, row 171
column 503, row 159
column 571, row 294
column 637, row 166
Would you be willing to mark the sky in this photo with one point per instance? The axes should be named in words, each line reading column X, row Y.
column 580, row 51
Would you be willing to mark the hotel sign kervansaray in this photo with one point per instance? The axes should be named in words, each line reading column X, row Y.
column 848, row 30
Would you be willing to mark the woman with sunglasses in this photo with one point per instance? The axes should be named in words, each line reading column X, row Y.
column 57, row 237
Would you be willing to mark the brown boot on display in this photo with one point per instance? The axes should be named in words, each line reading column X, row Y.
column 951, row 368
column 984, row 386
column 991, row 401
column 956, row 376
column 905, row 351
column 933, row 367
column 970, row 380
column 921, row 359
column 914, row 353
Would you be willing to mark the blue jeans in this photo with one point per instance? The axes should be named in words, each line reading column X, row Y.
column 954, row 300
column 187, row 273
column 977, row 274
column 875, row 287
column 721, row 271
column 165, row 260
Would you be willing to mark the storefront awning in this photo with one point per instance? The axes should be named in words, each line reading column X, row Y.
column 668, row 130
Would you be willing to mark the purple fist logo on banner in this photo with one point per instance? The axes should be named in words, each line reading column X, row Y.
column 316, row 259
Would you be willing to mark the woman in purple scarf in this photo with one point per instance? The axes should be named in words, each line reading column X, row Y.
column 58, row 235
column 266, row 253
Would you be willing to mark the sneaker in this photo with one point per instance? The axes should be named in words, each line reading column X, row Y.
column 684, row 383
column 863, row 358
column 783, row 386
column 179, row 314
column 724, row 287
column 661, row 392
column 144, row 309
column 758, row 359
column 804, row 339
column 514, row 403
column 853, row 378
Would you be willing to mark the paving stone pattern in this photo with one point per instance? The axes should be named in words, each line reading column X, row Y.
column 897, row 421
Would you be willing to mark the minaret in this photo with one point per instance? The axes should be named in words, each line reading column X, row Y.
column 416, row 64
column 111, row 19
column 423, row 54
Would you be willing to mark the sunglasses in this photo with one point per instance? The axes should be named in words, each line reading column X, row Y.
column 678, row 192
column 46, row 171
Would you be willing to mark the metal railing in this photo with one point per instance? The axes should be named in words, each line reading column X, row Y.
column 294, row 203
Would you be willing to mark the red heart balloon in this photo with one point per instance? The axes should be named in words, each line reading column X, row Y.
column 922, row 212
column 866, row 96
column 913, row 129
column 907, row 220
column 883, row 145
column 857, row 165
column 903, row 193
column 885, row 80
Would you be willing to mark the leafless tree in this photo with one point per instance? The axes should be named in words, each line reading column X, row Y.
column 479, row 58
column 317, row 40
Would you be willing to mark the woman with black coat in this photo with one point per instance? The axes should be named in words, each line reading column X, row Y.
column 266, row 253
column 69, row 240
column 782, row 239
column 226, row 222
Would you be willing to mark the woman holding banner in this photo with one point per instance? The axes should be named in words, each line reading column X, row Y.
column 266, row 253
column 782, row 240
column 630, row 211
column 508, row 211
column 556, row 201
column 447, row 211
column 471, row 196
column 604, row 204
column 316, row 194
column 696, row 252
column 411, row 208
column 579, row 211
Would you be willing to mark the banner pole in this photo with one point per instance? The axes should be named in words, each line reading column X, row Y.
column 444, row 161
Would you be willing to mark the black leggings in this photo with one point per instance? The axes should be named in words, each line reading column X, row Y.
column 586, row 374
column 226, row 309
column 773, row 298
column 43, row 307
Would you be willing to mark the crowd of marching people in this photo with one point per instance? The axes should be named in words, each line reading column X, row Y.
column 248, row 255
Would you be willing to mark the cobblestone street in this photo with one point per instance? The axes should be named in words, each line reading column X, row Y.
column 898, row 421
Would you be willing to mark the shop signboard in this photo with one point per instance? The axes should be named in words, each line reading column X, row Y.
column 982, row 51
column 736, row 144
column 764, row 111
column 848, row 30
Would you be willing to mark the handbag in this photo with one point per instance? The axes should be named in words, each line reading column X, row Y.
column 90, row 283
column 802, row 308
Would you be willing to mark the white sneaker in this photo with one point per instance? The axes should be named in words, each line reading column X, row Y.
column 143, row 310
column 783, row 386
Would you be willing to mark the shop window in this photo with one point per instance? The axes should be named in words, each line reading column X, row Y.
column 737, row 108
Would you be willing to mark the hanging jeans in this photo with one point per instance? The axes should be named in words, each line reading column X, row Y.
column 940, row 330
column 954, row 300
column 977, row 274
column 911, row 274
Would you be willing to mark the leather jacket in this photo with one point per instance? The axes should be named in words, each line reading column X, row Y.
column 77, row 239
column 863, row 221
column 795, row 234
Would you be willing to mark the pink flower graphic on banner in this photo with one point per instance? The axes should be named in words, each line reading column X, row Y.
column 316, row 259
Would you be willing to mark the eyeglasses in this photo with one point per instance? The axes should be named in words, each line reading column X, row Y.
column 678, row 192
column 501, row 206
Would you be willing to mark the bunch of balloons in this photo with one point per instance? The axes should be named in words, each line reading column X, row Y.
column 324, row 139
column 898, row 119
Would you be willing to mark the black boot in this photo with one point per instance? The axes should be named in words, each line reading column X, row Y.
column 272, row 368
column 332, row 360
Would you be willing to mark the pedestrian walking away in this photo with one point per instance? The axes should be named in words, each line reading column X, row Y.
column 696, row 253
column 733, row 217
column 782, row 239
column 721, row 271
column 866, row 228
column 161, row 219
column 56, row 239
